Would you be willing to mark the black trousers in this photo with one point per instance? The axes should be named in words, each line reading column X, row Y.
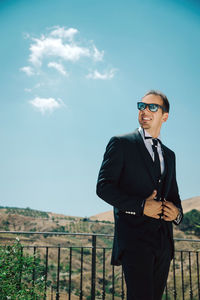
column 146, row 268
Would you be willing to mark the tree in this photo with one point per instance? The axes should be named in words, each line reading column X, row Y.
column 191, row 222
column 16, row 274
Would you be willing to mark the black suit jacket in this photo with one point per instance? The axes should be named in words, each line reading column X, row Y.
column 125, row 180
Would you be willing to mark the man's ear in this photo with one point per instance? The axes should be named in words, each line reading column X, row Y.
column 165, row 117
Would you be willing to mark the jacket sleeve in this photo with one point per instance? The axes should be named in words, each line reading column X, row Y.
column 174, row 197
column 108, row 187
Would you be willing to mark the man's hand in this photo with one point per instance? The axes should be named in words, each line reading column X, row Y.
column 153, row 208
column 170, row 211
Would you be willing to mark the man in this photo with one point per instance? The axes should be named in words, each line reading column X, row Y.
column 138, row 178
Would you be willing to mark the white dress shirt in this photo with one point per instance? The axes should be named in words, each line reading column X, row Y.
column 148, row 143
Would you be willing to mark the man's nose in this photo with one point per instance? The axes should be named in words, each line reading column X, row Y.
column 144, row 110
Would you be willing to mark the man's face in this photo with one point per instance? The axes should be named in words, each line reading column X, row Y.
column 152, row 121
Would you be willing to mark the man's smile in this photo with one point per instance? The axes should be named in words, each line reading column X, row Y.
column 146, row 119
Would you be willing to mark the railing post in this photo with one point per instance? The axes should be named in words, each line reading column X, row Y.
column 46, row 273
column 93, row 271
column 20, row 273
column 182, row 277
column 190, row 274
column 58, row 276
column 197, row 259
column 81, row 278
column 113, row 282
column 174, row 278
column 104, row 273
column 33, row 275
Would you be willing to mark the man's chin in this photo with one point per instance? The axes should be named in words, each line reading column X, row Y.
column 145, row 126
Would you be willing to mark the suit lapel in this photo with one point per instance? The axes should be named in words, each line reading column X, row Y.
column 169, row 167
column 145, row 156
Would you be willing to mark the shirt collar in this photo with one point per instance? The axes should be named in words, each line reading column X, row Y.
column 144, row 134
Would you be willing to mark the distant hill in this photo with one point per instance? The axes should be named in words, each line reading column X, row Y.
column 191, row 203
column 27, row 219
column 106, row 216
column 188, row 204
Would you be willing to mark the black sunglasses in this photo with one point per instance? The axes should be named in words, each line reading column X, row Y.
column 151, row 106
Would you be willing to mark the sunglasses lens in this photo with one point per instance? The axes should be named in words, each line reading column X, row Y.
column 153, row 107
column 141, row 105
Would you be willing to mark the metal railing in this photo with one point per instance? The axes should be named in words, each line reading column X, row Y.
column 79, row 266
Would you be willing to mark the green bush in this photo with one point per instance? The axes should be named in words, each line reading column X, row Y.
column 191, row 222
column 16, row 274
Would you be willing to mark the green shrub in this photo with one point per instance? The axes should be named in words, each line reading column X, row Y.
column 16, row 274
column 191, row 222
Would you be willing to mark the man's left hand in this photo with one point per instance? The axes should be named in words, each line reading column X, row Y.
column 170, row 211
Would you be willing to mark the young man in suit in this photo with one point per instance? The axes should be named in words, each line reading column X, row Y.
column 138, row 178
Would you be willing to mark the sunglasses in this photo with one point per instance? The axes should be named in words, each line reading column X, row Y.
column 151, row 106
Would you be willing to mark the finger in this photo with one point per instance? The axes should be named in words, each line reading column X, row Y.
column 166, row 218
column 167, row 204
column 153, row 195
column 167, row 214
column 156, row 216
column 170, row 216
column 155, row 192
column 171, row 211
column 166, row 209
column 159, row 211
column 171, row 208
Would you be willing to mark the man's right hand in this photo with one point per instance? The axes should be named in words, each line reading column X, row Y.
column 153, row 208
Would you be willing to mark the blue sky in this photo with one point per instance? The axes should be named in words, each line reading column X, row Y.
column 71, row 74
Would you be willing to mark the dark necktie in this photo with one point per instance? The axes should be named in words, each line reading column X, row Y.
column 156, row 159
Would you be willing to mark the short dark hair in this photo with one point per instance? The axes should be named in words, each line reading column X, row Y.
column 163, row 97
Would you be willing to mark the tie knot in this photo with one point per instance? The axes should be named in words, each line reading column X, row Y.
column 155, row 142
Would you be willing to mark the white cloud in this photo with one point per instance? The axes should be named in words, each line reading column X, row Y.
column 61, row 32
column 58, row 67
column 98, row 55
column 36, row 86
column 28, row 70
column 103, row 76
column 63, row 45
column 54, row 47
column 46, row 104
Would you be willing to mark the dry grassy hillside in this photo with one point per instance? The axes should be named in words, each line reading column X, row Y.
column 72, row 247
column 191, row 203
column 31, row 220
